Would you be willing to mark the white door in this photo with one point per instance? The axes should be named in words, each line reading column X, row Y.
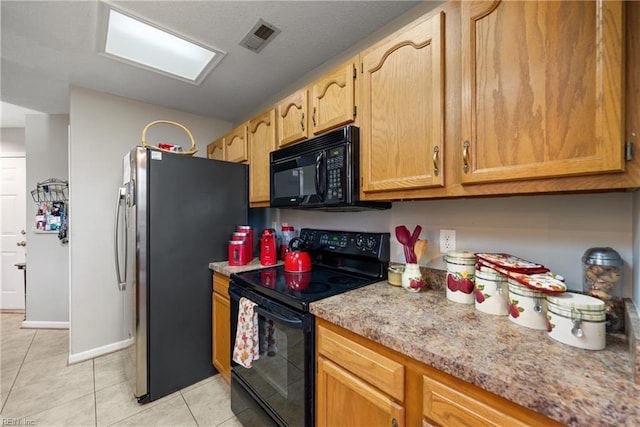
column 13, row 223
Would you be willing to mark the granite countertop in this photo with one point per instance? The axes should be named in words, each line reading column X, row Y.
column 571, row 385
column 223, row 267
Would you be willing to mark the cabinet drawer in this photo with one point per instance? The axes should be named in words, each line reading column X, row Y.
column 447, row 405
column 221, row 284
column 380, row 371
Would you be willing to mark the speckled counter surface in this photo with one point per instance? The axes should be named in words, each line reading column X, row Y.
column 223, row 267
column 574, row 386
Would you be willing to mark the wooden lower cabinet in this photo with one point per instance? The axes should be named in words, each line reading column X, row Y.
column 359, row 403
column 360, row 382
column 221, row 351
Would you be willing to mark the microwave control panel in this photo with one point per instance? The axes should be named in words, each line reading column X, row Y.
column 336, row 172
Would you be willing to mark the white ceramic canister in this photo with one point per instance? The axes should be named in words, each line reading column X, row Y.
column 412, row 278
column 491, row 292
column 577, row 320
column 461, row 267
column 527, row 307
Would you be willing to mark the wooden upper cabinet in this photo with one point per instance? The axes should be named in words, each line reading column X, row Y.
column 235, row 145
column 333, row 98
column 402, row 109
column 542, row 89
column 262, row 141
column 215, row 150
column 293, row 119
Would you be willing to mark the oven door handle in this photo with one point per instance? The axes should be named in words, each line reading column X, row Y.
column 291, row 321
column 319, row 164
column 294, row 322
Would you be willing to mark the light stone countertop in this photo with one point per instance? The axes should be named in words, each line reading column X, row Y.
column 571, row 385
column 223, row 267
column 574, row 386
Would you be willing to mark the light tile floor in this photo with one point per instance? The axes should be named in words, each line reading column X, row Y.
column 38, row 388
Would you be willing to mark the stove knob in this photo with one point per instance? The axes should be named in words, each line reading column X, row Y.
column 360, row 241
column 371, row 243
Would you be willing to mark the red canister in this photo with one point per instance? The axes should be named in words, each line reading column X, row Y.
column 245, row 237
column 268, row 251
column 237, row 252
column 249, row 230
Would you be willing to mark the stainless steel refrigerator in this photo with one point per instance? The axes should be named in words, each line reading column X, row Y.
column 174, row 215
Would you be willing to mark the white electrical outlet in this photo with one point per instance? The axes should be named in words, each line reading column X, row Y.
column 447, row 241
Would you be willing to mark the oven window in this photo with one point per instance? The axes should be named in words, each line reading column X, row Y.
column 277, row 377
column 296, row 182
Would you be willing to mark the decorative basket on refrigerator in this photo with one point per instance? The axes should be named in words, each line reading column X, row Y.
column 191, row 151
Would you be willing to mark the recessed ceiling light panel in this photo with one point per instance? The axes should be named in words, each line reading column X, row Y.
column 129, row 39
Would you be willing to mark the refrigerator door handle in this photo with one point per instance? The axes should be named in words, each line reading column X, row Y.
column 122, row 281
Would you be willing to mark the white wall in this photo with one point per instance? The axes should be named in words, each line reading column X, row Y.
column 46, row 139
column 12, row 141
column 103, row 129
column 553, row 230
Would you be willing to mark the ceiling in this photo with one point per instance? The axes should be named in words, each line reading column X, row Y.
column 49, row 45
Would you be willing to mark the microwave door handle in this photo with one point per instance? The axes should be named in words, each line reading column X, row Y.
column 320, row 190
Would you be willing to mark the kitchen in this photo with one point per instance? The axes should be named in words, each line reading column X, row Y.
column 553, row 230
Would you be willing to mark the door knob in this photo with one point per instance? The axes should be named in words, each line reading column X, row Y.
column 23, row 243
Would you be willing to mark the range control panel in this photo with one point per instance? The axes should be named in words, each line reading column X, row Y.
column 370, row 245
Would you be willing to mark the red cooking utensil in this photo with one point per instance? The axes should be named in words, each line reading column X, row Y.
column 415, row 235
column 404, row 237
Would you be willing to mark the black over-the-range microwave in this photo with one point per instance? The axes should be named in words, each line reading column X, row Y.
column 322, row 173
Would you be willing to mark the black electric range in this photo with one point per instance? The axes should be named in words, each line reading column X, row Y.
column 278, row 389
column 341, row 261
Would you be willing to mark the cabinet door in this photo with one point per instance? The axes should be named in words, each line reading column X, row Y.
column 293, row 118
column 542, row 89
column 262, row 141
column 235, row 145
column 346, row 400
column 221, row 326
column 402, row 109
column 215, row 151
column 333, row 99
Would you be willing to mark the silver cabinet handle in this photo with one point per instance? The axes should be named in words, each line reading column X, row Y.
column 436, row 163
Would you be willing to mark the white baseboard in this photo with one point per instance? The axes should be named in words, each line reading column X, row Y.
column 99, row 351
column 34, row 324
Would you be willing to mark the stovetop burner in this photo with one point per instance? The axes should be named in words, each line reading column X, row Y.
column 341, row 261
column 342, row 280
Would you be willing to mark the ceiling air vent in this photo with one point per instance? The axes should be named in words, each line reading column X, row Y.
column 259, row 36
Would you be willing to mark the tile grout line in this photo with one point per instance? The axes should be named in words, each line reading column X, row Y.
column 13, row 383
column 189, row 408
column 95, row 394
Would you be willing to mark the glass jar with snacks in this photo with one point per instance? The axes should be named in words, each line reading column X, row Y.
column 603, row 268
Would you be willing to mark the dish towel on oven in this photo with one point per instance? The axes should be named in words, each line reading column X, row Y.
column 245, row 349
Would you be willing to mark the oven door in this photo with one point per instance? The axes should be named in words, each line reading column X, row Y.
column 299, row 181
column 279, row 388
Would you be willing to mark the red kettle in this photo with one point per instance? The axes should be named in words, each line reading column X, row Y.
column 296, row 260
